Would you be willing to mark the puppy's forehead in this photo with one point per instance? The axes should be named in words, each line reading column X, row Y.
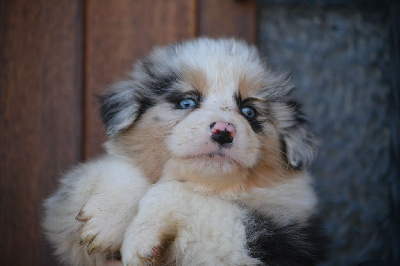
column 221, row 68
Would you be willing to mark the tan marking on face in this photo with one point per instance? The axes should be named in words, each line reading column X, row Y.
column 144, row 142
column 250, row 85
column 271, row 169
column 197, row 79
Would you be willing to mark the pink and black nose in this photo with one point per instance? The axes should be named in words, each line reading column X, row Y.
column 222, row 132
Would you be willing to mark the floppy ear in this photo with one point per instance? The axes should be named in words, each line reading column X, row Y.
column 120, row 106
column 299, row 141
column 300, row 145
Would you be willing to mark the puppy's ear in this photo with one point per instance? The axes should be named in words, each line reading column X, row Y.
column 300, row 145
column 299, row 141
column 120, row 106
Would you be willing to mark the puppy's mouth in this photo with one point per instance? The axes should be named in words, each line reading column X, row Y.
column 215, row 157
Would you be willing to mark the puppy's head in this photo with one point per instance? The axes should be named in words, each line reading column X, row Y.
column 208, row 111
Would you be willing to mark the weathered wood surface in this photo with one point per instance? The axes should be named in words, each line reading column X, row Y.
column 55, row 56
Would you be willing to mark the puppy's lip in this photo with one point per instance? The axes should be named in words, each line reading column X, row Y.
column 216, row 156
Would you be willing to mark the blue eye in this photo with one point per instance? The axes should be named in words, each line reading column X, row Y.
column 186, row 104
column 248, row 112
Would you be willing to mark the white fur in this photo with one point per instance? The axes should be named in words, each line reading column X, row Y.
column 291, row 201
column 190, row 140
column 107, row 191
column 208, row 229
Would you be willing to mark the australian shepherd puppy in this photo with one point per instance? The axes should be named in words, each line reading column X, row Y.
column 205, row 165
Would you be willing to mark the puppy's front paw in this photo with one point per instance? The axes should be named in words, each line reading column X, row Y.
column 141, row 251
column 102, row 228
column 143, row 257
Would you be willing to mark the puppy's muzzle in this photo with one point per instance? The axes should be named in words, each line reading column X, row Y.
column 222, row 132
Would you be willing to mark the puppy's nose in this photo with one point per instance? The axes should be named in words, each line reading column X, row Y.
column 222, row 132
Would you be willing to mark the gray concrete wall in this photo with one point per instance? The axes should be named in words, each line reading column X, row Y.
column 339, row 56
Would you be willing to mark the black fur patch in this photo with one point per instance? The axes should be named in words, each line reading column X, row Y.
column 293, row 244
column 158, row 82
column 144, row 103
column 148, row 66
column 108, row 108
column 255, row 123
column 112, row 104
column 298, row 115
column 284, row 151
column 176, row 97
column 162, row 84
column 297, row 137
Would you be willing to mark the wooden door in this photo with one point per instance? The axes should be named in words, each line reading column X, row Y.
column 54, row 57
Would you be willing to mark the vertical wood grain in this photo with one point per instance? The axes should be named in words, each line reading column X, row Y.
column 228, row 18
column 118, row 32
column 40, row 117
column 54, row 57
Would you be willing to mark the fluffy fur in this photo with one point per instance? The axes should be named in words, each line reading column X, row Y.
column 205, row 163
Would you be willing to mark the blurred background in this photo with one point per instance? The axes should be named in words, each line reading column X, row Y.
column 55, row 56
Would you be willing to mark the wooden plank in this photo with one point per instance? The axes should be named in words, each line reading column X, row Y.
column 40, row 117
column 118, row 32
column 228, row 18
